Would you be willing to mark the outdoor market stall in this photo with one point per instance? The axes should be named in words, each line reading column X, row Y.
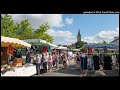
column 7, row 48
column 105, row 46
column 42, row 46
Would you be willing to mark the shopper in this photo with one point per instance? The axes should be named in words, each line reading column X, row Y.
column 64, row 59
column 50, row 62
column 42, row 69
column 45, row 63
column 57, row 60
column 53, row 57
column 38, row 62
column 84, row 64
column 114, row 61
column 28, row 56
column 78, row 61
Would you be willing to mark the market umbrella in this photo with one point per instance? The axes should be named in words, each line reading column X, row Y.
column 6, row 41
column 112, row 46
column 61, row 47
column 37, row 42
column 105, row 46
column 75, row 50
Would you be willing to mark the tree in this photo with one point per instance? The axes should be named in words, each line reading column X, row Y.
column 7, row 26
column 103, row 42
column 40, row 33
column 79, row 44
column 24, row 30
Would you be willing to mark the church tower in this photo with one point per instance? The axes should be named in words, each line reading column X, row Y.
column 79, row 36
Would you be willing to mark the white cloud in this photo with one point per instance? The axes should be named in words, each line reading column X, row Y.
column 65, row 37
column 89, row 39
column 117, row 29
column 68, row 20
column 60, row 33
column 107, row 35
column 38, row 19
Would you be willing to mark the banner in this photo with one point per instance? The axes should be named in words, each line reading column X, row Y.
column 10, row 49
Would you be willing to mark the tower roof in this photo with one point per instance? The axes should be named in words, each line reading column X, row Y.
column 79, row 33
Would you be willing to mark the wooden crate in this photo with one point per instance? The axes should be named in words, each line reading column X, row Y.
column 17, row 62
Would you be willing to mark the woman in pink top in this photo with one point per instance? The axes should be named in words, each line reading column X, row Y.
column 50, row 62
column 53, row 57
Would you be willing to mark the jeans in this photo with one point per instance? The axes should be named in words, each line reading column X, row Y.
column 57, row 64
column 38, row 68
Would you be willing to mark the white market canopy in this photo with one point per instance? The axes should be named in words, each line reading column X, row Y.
column 5, row 41
column 75, row 50
column 112, row 46
column 60, row 47
column 52, row 45
column 37, row 42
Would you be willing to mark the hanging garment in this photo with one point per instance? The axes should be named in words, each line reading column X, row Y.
column 44, row 49
column 90, row 51
column 96, row 62
column 48, row 49
column 107, row 63
column 84, row 63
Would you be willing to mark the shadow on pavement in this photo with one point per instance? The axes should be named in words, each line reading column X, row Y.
column 71, row 69
column 111, row 73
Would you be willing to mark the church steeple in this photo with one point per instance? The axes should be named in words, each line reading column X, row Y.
column 79, row 36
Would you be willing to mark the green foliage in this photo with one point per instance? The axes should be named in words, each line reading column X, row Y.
column 103, row 42
column 23, row 30
column 7, row 26
column 97, row 50
column 83, row 48
column 79, row 44
column 40, row 33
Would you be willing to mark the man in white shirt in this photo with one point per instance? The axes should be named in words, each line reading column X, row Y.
column 38, row 61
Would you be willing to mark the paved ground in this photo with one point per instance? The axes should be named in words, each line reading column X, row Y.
column 72, row 71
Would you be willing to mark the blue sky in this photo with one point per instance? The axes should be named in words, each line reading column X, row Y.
column 90, row 24
column 64, row 27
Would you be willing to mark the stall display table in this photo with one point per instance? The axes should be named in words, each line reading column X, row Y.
column 22, row 71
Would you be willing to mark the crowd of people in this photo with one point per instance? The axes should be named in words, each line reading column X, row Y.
column 49, row 61
column 86, row 62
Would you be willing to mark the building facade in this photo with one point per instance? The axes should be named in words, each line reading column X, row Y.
column 73, row 46
column 79, row 36
column 116, row 40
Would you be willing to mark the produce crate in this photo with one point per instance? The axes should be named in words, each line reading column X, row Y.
column 17, row 62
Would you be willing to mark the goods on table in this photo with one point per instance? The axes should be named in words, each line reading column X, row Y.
column 17, row 62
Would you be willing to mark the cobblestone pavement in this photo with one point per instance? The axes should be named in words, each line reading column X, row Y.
column 71, row 70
